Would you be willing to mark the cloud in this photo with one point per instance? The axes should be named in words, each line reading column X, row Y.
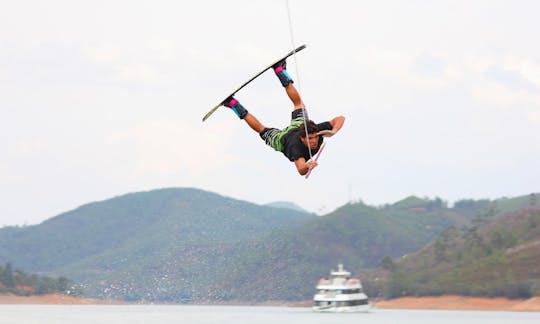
column 493, row 79
column 103, row 53
column 30, row 146
column 535, row 116
column 509, row 80
column 137, row 72
column 425, row 70
column 172, row 147
column 512, row 79
column 164, row 50
column 3, row 74
column 5, row 176
column 429, row 66
column 495, row 92
column 143, row 62
column 531, row 71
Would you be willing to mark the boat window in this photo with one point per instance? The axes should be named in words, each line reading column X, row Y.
column 359, row 302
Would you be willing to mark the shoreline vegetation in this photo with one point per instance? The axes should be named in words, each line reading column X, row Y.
column 449, row 302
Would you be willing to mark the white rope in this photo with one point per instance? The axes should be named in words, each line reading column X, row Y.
column 293, row 44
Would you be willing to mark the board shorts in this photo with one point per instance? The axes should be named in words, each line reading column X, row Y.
column 272, row 136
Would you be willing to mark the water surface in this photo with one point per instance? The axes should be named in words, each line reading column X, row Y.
column 150, row 314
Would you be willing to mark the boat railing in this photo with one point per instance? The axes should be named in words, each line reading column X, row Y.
column 339, row 281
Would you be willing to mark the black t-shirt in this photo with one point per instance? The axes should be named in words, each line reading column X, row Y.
column 294, row 149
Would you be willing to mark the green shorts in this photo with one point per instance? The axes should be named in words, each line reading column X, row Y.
column 272, row 136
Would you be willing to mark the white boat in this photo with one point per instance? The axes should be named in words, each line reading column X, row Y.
column 340, row 293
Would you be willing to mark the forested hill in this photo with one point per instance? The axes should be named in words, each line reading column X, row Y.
column 139, row 224
column 498, row 254
column 183, row 244
column 155, row 244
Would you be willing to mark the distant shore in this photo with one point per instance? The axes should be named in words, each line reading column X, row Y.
column 461, row 303
column 440, row 302
column 53, row 299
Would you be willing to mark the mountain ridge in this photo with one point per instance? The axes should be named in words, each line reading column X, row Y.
column 187, row 244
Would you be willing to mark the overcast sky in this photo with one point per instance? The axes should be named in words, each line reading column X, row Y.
column 103, row 98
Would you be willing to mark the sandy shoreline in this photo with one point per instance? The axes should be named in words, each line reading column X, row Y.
column 441, row 302
column 53, row 299
column 461, row 303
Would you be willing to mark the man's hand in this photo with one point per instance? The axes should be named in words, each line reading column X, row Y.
column 311, row 164
column 326, row 133
column 337, row 123
column 304, row 167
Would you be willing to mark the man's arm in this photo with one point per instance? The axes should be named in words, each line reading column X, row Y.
column 303, row 167
column 337, row 123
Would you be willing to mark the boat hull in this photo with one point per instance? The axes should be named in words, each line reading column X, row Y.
column 342, row 309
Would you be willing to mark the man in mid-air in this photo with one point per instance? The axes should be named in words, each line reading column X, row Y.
column 292, row 141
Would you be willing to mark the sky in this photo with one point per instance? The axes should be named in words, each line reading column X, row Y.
column 103, row 98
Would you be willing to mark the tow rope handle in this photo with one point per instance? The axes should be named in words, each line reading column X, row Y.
column 316, row 158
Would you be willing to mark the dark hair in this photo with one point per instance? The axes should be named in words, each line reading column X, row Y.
column 311, row 128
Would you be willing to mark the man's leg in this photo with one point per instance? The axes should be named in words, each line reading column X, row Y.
column 280, row 69
column 242, row 113
column 294, row 96
column 254, row 123
column 269, row 135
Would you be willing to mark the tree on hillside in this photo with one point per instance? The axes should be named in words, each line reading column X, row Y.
column 485, row 216
column 388, row 264
column 437, row 203
column 440, row 250
column 7, row 277
column 445, row 241
column 21, row 283
column 399, row 285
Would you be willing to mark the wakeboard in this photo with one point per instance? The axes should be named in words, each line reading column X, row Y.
column 253, row 78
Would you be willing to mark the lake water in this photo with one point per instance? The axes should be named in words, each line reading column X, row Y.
column 150, row 314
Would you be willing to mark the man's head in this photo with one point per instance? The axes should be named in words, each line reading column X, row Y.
column 312, row 138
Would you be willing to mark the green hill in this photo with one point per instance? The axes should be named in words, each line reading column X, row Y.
column 182, row 244
column 355, row 234
column 497, row 255
column 132, row 235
